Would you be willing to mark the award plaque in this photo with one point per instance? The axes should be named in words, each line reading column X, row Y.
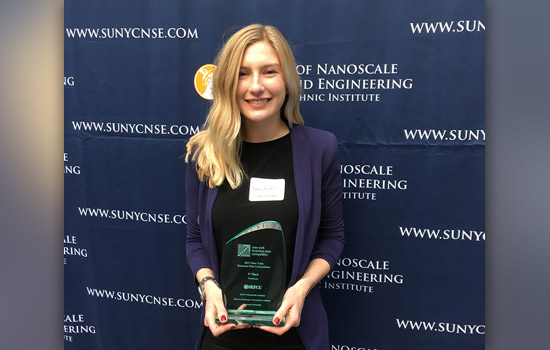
column 253, row 274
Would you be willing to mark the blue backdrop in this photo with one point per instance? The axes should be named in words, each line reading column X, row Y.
column 400, row 83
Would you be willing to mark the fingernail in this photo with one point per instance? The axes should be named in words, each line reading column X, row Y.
column 223, row 318
column 233, row 327
column 276, row 320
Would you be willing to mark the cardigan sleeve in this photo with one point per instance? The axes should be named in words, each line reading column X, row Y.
column 197, row 256
column 330, row 238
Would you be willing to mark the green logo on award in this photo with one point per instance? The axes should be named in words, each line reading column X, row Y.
column 244, row 250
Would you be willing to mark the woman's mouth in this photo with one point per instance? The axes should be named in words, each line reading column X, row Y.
column 258, row 102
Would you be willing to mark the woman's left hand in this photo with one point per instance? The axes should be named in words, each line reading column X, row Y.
column 291, row 308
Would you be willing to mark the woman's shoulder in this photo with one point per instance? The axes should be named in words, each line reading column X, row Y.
column 313, row 135
column 319, row 145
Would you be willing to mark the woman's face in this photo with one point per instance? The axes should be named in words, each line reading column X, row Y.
column 261, row 88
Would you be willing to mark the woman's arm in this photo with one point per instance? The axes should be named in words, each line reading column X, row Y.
column 330, row 234
column 328, row 247
column 293, row 300
column 197, row 258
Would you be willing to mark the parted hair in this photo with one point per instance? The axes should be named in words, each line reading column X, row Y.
column 216, row 148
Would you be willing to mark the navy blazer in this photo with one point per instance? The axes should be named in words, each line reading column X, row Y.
column 319, row 232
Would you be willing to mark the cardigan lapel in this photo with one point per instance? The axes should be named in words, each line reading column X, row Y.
column 302, row 170
column 210, row 199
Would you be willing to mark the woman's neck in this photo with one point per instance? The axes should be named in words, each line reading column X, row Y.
column 261, row 132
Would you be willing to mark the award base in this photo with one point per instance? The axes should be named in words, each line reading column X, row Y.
column 251, row 318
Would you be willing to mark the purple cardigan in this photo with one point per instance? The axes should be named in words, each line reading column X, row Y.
column 320, row 229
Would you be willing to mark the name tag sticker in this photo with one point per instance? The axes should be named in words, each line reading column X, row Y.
column 263, row 190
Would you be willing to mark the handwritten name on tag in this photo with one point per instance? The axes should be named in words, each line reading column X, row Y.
column 262, row 190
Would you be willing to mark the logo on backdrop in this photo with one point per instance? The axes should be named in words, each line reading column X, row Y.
column 365, row 181
column 76, row 324
column 135, row 128
column 349, row 347
column 350, row 82
column 437, row 136
column 360, row 275
column 462, row 26
column 132, row 33
column 130, row 297
column 443, row 234
column 68, row 81
column 70, row 169
column 132, row 215
column 71, row 248
column 203, row 81
column 441, row 327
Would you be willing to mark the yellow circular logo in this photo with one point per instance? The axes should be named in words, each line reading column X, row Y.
column 203, row 81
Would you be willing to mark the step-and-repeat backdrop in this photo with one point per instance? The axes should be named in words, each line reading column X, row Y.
column 400, row 83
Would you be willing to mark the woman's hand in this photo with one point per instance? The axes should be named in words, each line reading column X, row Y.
column 213, row 306
column 295, row 296
column 291, row 308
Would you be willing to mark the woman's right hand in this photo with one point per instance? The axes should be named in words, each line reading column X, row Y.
column 214, row 306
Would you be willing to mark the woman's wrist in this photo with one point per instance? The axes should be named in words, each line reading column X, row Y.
column 316, row 270
column 211, row 286
column 207, row 283
column 204, row 272
column 303, row 286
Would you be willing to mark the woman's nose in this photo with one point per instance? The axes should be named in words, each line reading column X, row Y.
column 257, row 84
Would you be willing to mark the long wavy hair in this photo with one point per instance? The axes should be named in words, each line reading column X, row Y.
column 216, row 148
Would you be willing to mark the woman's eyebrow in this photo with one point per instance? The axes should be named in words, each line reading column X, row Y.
column 268, row 65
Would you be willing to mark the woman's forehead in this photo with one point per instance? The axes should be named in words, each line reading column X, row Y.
column 260, row 53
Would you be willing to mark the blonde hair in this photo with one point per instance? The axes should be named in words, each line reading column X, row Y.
column 216, row 149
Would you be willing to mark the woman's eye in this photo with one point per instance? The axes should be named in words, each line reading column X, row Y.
column 242, row 74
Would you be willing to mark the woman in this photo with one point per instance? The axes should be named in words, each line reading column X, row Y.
column 254, row 130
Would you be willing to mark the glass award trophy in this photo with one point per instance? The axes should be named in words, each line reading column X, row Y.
column 253, row 274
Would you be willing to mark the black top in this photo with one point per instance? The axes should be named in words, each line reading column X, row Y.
column 233, row 212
